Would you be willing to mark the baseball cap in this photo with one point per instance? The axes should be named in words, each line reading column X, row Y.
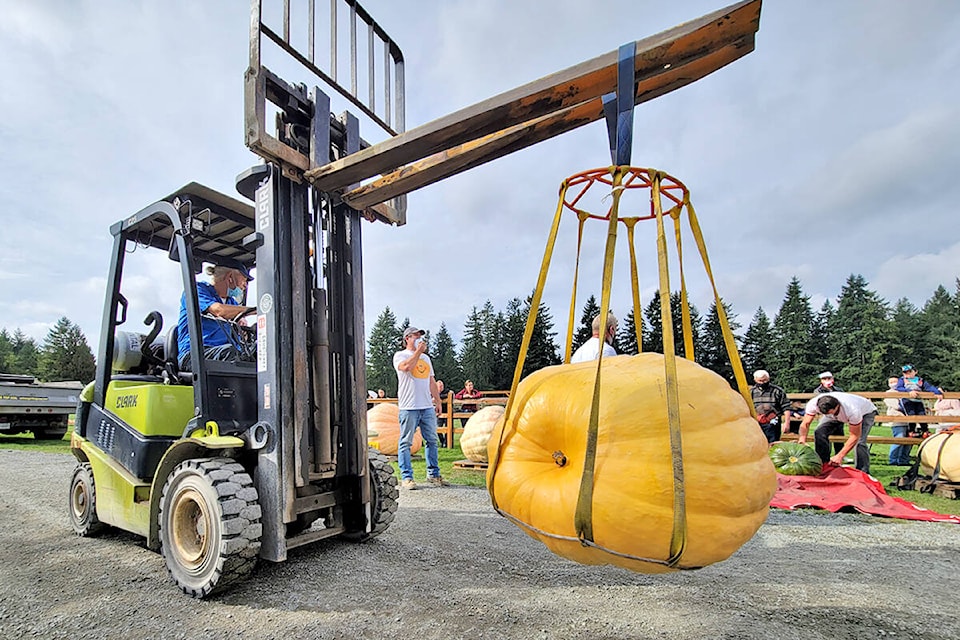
column 230, row 263
column 825, row 374
column 908, row 367
column 409, row 331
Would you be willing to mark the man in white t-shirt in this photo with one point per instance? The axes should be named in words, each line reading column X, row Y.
column 855, row 410
column 590, row 350
column 418, row 400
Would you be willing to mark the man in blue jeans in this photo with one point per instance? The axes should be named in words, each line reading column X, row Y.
column 418, row 400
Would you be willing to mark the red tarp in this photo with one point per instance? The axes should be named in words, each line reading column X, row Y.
column 840, row 487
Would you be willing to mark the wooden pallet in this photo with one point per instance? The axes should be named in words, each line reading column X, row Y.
column 470, row 465
column 949, row 490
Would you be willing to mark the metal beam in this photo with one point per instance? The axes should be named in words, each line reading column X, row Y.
column 655, row 57
column 476, row 152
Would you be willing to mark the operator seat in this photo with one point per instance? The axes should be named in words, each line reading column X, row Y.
column 171, row 357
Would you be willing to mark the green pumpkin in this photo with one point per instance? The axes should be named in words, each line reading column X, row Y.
column 794, row 459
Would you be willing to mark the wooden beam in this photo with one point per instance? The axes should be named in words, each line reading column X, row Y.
column 564, row 89
column 476, row 152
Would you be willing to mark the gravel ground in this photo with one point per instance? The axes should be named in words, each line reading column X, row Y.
column 449, row 567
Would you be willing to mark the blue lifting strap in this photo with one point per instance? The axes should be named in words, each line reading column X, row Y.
column 618, row 107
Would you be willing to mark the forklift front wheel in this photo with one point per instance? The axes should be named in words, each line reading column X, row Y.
column 384, row 495
column 209, row 525
column 83, row 501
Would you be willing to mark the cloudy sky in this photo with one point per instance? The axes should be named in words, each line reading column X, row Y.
column 832, row 149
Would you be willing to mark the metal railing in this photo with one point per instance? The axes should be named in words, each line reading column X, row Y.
column 385, row 71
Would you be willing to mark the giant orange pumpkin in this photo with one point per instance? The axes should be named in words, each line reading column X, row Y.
column 728, row 477
column 476, row 433
column 383, row 428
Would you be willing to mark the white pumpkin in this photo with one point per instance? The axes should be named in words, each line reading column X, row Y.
column 476, row 433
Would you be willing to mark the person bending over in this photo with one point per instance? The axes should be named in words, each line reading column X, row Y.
column 856, row 411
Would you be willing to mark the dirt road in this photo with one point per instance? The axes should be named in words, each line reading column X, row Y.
column 449, row 567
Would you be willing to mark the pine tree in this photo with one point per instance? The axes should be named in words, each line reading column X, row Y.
column 443, row 354
column 6, row 352
column 652, row 326
column 66, row 354
column 26, row 354
column 627, row 337
column 861, row 336
column 511, row 335
column 757, row 343
column 476, row 358
column 713, row 353
column 585, row 329
column 653, row 341
column 793, row 360
column 384, row 342
column 909, row 340
column 941, row 319
column 823, row 332
column 543, row 350
column 503, row 364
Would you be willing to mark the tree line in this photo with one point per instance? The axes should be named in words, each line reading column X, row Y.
column 861, row 339
column 63, row 355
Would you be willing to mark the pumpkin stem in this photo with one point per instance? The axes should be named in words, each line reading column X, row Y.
column 559, row 458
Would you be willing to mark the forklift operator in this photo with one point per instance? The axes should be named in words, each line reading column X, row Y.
column 220, row 306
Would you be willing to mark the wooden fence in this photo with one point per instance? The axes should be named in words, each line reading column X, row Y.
column 453, row 410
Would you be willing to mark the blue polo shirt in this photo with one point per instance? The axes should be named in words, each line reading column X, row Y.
column 213, row 333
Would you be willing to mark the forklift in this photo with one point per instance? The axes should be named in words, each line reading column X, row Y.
column 229, row 462
column 220, row 464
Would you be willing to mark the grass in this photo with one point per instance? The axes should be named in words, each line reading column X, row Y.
column 26, row 442
column 447, row 457
column 879, row 468
column 885, row 473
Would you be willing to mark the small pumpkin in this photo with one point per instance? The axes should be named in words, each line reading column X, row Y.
column 476, row 433
column 728, row 478
column 383, row 429
column 946, row 446
column 795, row 459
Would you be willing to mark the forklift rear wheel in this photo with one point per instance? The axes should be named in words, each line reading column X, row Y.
column 83, row 501
column 209, row 525
column 383, row 497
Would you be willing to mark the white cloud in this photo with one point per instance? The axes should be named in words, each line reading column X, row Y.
column 916, row 277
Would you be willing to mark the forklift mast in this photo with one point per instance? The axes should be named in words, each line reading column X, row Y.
column 311, row 374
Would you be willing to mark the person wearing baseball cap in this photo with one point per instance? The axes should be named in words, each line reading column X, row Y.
column 221, row 304
column 418, row 399
column 911, row 382
column 826, row 386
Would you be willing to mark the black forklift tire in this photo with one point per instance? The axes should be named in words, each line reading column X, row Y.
column 210, row 526
column 82, row 502
column 383, row 499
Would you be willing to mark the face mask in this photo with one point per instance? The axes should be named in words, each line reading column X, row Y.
column 418, row 342
column 764, row 385
column 236, row 293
